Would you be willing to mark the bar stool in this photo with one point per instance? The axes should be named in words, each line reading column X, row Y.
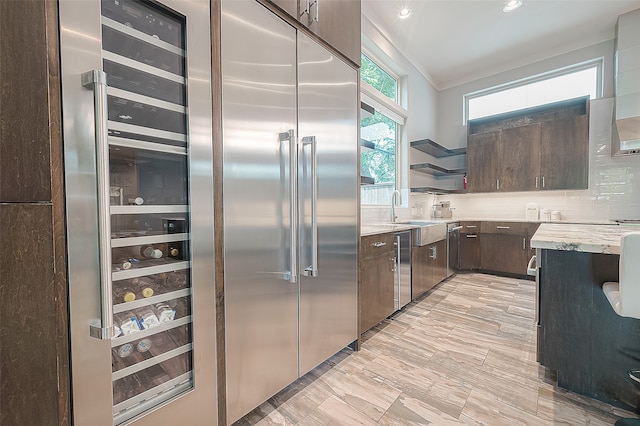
column 624, row 296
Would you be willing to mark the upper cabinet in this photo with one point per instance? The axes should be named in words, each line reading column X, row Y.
column 337, row 22
column 541, row 148
column 289, row 6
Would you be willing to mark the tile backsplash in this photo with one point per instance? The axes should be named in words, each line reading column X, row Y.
column 614, row 188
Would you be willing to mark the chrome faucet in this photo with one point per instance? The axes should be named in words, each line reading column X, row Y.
column 396, row 200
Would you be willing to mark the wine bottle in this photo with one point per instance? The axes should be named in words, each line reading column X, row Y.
column 128, row 323
column 164, row 312
column 122, row 264
column 147, row 318
column 150, row 252
column 143, row 287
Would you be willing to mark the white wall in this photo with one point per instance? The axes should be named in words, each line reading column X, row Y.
column 614, row 183
column 419, row 98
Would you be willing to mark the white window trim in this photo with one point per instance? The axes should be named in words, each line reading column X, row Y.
column 382, row 65
column 373, row 97
column 597, row 62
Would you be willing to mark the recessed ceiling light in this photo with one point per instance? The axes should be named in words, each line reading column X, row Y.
column 512, row 5
column 404, row 13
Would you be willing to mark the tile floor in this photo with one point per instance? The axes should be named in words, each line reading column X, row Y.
column 462, row 354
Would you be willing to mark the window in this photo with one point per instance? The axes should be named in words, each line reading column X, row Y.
column 378, row 78
column 576, row 81
column 381, row 131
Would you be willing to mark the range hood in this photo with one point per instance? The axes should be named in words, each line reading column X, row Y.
column 626, row 114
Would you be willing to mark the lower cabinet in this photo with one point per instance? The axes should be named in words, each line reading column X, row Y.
column 428, row 267
column 507, row 253
column 376, row 280
column 469, row 252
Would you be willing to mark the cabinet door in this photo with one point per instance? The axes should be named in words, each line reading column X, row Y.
column 420, row 271
column 520, row 158
column 484, row 161
column 564, row 159
column 289, row 6
column 439, row 262
column 469, row 251
column 375, row 290
column 504, row 253
column 336, row 22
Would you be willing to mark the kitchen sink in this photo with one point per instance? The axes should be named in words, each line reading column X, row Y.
column 428, row 232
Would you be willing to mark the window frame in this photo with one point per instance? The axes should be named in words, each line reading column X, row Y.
column 391, row 109
column 597, row 63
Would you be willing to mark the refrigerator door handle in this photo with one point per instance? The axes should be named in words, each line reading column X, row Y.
column 96, row 80
column 312, row 270
column 292, row 274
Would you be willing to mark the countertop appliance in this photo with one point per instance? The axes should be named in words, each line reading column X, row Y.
column 453, row 247
column 402, row 279
column 137, row 120
column 290, row 180
column 443, row 210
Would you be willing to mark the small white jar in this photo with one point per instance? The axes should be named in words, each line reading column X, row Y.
column 556, row 215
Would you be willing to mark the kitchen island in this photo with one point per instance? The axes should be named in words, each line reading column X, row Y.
column 579, row 334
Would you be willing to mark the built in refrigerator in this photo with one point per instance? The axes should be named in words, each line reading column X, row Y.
column 136, row 93
column 290, row 141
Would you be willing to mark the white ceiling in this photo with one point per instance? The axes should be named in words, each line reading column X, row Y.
column 455, row 41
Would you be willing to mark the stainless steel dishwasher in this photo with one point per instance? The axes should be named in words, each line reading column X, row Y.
column 453, row 247
column 402, row 281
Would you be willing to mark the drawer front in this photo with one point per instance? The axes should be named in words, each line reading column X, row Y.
column 375, row 245
column 470, row 227
column 512, row 228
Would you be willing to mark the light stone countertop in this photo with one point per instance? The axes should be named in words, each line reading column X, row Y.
column 578, row 237
column 383, row 228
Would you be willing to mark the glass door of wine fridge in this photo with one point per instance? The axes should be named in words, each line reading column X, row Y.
column 139, row 189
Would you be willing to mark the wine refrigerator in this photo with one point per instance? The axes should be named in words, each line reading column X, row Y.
column 136, row 94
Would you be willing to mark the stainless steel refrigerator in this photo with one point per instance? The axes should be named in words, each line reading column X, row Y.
column 290, row 141
column 136, row 93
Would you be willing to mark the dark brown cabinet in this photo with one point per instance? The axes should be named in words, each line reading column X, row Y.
column 541, row 148
column 375, row 289
column 337, row 22
column 564, row 159
column 428, row 267
column 520, row 158
column 483, row 161
column 469, row 253
column 505, row 247
column 289, row 6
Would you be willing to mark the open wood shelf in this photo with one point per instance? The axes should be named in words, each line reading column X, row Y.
column 436, row 150
column 437, row 191
column 432, row 169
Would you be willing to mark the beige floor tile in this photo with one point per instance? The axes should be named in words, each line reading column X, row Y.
column 335, row 412
column 464, row 353
column 410, row 411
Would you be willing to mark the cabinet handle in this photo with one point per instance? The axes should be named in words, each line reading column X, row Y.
column 316, row 19
column 471, row 226
column 472, row 236
column 434, row 252
column 524, row 243
column 502, row 227
column 307, row 9
column 543, row 181
column 394, row 264
column 536, row 182
column 378, row 244
column 497, row 183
